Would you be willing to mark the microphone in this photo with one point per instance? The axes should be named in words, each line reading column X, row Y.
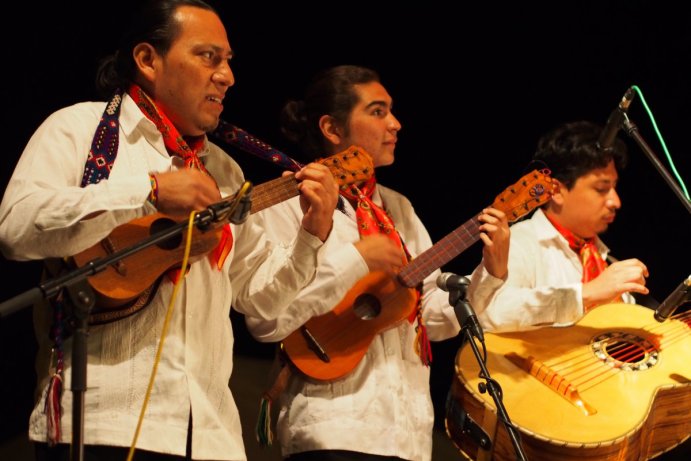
column 674, row 300
column 615, row 121
column 456, row 285
column 449, row 281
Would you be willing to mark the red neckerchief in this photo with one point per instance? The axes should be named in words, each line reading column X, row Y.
column 372, row 220
column 187, row 149
column 592, row 262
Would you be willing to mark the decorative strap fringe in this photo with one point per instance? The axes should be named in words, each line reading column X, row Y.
column 264, row 429
column 422, row 345
column 53, row 407
column 265, row 435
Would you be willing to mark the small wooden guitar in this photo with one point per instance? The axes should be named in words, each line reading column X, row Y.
column 615, row 386
column 330, row 346
column 126, row 280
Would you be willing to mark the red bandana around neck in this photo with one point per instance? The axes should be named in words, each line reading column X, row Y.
column 592, row 262
column 371, row 218
column 187, row 149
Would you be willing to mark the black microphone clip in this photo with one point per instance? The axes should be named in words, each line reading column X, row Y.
column 451, row 282
column 615, row 121
column 243, row 208
column 235, row 209
column 678, row 297
column 457, row 286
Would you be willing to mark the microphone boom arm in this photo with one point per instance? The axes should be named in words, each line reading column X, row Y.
column 632, row 130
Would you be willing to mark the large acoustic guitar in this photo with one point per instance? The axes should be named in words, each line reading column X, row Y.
column 614, row 386
column 330, row 346
column 130, row 279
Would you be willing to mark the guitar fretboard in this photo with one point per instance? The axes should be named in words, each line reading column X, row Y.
column 532, row 190
column 440, row 253
column 275, row 191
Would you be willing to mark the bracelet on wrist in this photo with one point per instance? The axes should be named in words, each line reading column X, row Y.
column 153, row 195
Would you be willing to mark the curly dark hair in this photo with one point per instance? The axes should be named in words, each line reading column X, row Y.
column 571, row 150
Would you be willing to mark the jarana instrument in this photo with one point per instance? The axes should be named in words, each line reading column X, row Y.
column 330, row 346
column 119, row 287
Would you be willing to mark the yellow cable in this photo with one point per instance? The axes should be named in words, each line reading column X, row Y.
column 166, row 322
column 238, row 197
column 188, row 244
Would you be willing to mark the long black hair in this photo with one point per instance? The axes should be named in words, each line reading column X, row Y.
column 331, row 92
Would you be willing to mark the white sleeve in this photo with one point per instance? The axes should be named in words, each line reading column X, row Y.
column 339, row 266
column 44, row 210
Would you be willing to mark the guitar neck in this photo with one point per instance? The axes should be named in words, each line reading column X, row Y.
column 440, row 253
column 275, row 191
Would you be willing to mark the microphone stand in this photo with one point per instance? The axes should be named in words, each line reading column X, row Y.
column 632, row 130
column 83, row 300
column 236, row 210
column 470, row 331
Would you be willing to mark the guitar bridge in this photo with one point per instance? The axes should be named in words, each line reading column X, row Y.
column 119, row 265
column 314, row 345
column 552, row 379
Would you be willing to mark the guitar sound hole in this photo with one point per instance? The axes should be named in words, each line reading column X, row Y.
column 366, row 307
column 625, row 351
column 171, row 242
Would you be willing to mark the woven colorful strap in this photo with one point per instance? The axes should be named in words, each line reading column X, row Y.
column 104, row 149
column 104, row 146
column 241, row 139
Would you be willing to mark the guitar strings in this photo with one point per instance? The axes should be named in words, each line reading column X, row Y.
column 585, row 371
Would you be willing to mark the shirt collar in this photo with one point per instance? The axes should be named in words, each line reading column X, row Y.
column 132, row 120
column 545, row 231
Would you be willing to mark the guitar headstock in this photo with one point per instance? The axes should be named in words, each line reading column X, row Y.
column 350, row 166
column 531, row 191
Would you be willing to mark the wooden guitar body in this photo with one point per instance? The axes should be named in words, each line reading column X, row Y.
column 615, row 386
column 375, row 303
column 127, row 279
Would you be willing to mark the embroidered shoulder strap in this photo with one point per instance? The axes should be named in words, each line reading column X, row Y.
column 104, row 146
column 241, row 139
column 104, row 149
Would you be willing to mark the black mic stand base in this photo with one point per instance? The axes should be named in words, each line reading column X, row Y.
column 494, row 390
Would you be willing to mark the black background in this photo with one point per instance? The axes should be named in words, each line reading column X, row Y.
column 474, row 87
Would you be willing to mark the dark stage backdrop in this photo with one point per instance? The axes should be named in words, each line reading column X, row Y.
column 474, row 87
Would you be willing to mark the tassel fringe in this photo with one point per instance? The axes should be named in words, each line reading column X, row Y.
column 53, row 404
column 265, row 426
column 53, row 409
column 263, row 432
column 422, row 345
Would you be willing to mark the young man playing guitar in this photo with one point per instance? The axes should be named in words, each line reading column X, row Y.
column 613, row 384
column 549, row 282
column 381, row 409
